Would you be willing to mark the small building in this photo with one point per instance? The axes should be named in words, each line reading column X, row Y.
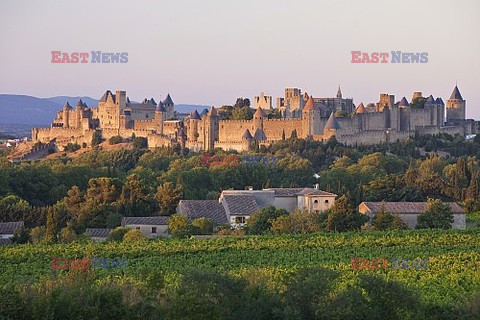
column 151, row 227
column 236, row 206
column 409, row 211
column 7, row 229
column 98, row 234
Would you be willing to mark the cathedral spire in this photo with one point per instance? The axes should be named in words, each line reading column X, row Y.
column 339, row 92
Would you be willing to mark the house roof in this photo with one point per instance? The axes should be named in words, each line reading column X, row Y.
column 240, row 204
column 10, row 227
column 160, row 107
column 456, row 94
column 293, row 192
column 260, row 135
column 210, row 209
column 5, row 241
column 157, row 220
column 407, row 207
column 97, row 232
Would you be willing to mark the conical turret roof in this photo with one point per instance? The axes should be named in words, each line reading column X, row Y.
column 456, row 94
column 80, row 104
column 260, row 135
column 195, row 115
column 430, row 100
column 403, row 102
column 339, row 92
column 360, row 108
column 67, row 105
column 247, row 135
column 168, row 99
column 332, row 122
column 310, row 105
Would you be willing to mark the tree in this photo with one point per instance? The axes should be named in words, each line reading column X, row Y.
column 243, row 113
column 436, row 215
column 135, row 198
column 115, row 140
column 178, row 226
column 117, row 234
column 382, row 220
column 67, row 235
column 283, row 224
column 56, row 219
column 96, row 140
column 342, row 217
column 37, row 234
column 140, row 143
column 168, row 198
column 134, row 235
column 203, row 225
column 21, row 236
column 261, row 221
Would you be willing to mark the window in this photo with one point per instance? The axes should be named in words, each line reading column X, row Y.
column 154, row 229
column 326, row 201
column 138, row 228
column 239, row 220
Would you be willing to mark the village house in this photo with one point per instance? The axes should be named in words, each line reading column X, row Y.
column 151, row 227
column 7, row 229
column 97, row 234
column 235, row 207
column 409, row 211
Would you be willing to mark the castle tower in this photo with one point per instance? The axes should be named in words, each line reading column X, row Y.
column 66, row 114
column 331, row 127
column 309, row 114
column 247, row 140
column 194, row 119
column 160, row 113
column 339, row 92
column 182, row 137
column 79, row 113
column 210, row 124
column 456, row 106
column 121, row 99
column 169, row 107
column 258, row 119
column 440, row 112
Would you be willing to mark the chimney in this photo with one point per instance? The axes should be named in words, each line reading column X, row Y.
column 317, row 186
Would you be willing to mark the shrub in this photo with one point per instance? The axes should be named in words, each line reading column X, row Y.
column 115, row 140
column 71, row 147
column 342, row 217
column 203, row 225
column 21, row 236
column 261, row 221
column 134, row 235
column 140, row 143
column 37, row 234
column 178, row 226
column 67, row 235
column 117, row 234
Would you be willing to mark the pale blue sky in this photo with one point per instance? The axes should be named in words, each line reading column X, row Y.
column 212, row 51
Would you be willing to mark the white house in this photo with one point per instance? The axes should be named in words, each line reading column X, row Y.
column 151, row 227
column 409, row 211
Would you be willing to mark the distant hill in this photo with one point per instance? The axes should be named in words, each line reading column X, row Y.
column 186, row 108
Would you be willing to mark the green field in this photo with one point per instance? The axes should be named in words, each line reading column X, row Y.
column 453, row 270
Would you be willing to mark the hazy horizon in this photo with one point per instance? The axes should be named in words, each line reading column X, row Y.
column 211, row 52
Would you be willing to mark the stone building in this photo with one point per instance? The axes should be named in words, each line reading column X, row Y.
column 409, row 212
column 310, row 118
column 262, row 101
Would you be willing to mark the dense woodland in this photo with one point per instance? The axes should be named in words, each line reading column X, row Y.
column 99, row 187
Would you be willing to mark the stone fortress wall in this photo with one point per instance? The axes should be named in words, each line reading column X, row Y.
column 311, row 118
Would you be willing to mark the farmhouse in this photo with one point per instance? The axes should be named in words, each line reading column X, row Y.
column 409, row 211
column 151, row 227
column 97, row 234
column 7, row 229
column 236, row 206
